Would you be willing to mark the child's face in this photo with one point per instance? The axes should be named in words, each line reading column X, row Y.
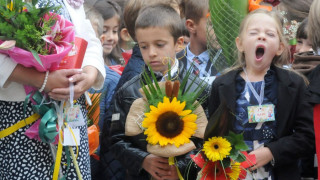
column 303, row 45
column 157, row 47
column 109, row 38
column 260, row 42
column 201, row 30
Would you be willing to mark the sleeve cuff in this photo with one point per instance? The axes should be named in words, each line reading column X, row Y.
column 7, row 66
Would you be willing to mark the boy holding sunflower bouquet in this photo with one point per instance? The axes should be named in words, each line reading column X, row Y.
column 167, row 123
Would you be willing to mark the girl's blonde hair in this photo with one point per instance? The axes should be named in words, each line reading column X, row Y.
column 277, row 60
column 314, row 25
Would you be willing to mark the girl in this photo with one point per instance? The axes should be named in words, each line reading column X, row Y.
column 111, row 13
column 256, row 85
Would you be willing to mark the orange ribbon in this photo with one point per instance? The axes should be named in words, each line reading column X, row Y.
column 255, row 4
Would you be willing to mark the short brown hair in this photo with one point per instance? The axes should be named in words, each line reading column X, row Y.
column 193, row 9
column 160, row 15
column 131, row 12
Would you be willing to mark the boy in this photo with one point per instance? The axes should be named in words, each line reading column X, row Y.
column 158, row 33
column 130, row 14
column 196, row 54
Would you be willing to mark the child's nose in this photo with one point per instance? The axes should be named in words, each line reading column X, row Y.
column 262, row 38
column 152, row 51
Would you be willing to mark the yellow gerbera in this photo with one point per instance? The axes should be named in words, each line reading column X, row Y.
column 169, row 123
column 217, row 148
column 235, row 171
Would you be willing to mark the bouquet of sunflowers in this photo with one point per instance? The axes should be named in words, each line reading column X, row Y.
column 169, row 115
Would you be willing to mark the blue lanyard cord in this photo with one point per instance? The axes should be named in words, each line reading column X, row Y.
column 248, row 83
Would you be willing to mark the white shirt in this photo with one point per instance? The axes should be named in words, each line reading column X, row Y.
column 11, row 91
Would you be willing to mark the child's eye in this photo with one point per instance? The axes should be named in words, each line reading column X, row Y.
column 252, row 33
column 271, row 34
column 160, row 45
column 143, row 46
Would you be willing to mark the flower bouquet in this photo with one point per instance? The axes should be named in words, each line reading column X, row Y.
column 168, row 114
column 41, row 38
column 224, row 158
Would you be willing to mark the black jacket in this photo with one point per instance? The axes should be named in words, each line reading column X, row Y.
column 295, row 135
column 131, row 150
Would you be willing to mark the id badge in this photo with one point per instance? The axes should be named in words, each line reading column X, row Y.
column 261, row 113
column 73, row 116
column 72, row 113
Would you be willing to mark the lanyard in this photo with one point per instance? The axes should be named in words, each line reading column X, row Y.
column 258, row 98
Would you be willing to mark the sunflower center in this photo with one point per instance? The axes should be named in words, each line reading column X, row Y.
column 216, row 146
column 169, row 124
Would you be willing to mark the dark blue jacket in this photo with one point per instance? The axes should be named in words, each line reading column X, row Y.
column 133, row 68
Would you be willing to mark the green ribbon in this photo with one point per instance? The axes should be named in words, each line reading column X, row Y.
column 47, row 127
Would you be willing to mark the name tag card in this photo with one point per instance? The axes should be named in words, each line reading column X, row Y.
column 261, row 113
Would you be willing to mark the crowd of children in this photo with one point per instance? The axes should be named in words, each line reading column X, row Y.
column 166, row 39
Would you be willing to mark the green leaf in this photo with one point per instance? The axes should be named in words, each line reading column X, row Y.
column 36, row 56
column 226, row 162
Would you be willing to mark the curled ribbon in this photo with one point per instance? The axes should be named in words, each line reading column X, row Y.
column 255, row 4
column 48, row 122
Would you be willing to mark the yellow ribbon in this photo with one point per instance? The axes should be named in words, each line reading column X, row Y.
column 172, row 162
column 6, row 132
column 58, row 159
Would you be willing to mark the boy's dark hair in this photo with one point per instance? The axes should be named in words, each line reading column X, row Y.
column 302, row 31
column 193, row 9
column 160, row 15
column 132, row 9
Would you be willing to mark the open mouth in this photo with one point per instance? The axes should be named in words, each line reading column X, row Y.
column 259, row 52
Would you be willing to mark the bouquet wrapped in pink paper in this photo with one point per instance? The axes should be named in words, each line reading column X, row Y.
column 58, row 42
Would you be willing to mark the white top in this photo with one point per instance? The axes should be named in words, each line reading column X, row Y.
column 11, row 91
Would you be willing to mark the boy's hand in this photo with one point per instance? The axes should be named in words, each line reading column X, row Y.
column 263, row 156
column 173, row 175
column 157, row 167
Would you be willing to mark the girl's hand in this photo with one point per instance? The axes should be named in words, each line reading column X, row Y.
column 263, row 157
column 82, row 82
column 157, row 167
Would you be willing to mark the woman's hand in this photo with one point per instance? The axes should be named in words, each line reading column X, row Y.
column 82, row 82
column 263, row 156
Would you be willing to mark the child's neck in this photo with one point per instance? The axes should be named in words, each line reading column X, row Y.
column 253, row 75
column 195, row 48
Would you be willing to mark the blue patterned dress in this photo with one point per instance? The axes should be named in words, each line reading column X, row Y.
column 256, row 134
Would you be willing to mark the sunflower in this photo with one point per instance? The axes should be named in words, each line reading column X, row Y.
column 217, row 148
column 235, row 171
column 169, row 123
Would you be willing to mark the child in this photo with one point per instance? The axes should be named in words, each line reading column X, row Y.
column 304, row 60
column 130, row 14
column 111, row 13
column 258, row 79
column 158, row 33
column 103, row 168
column 196, row 53
column 313, row 89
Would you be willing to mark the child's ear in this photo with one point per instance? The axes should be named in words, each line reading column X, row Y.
column 179, row 44
column 281, row 49
column 239, row 44
column 124, row 34
column 191, row 26
column 102, row 38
